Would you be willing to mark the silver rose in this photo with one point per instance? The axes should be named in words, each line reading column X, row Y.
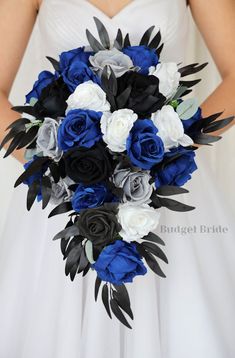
column 47, row 139
column 118, row 61
column 135, row 185
column 60, row 191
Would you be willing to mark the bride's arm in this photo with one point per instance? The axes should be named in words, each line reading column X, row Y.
column 216, row 22
column 17, row 18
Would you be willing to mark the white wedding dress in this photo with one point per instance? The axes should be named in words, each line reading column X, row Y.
column 189, row 314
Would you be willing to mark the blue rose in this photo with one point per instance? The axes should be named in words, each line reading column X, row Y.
column 35, row 177
column 44, row 79
column 79, row 128
column 144, row 147
column 78, row 73
column 142, row 56
column 76, row 55
column 119, row 263
column 89, row 197
column 187, row 123
column 179, row 171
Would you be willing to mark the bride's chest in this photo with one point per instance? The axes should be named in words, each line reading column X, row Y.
column 63, row 23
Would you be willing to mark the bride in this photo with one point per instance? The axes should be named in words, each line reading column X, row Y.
column 188, row 314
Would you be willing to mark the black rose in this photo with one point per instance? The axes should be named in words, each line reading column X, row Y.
column 52, row 101
column 88, row 165
column 99, row 225
column 145, row 97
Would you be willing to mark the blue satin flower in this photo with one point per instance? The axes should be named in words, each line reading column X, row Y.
column 79, row 54
column 144, row 147
column 79, row 128
column 44, row 79
column 89, row 197
column 119, row 263
column 142, row 56
column 179, row 171
column 78, row 73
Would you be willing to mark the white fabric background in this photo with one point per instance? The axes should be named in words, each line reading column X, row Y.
column 220, row 157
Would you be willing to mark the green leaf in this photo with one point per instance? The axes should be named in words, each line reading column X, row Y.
column 89, row 252
column 187, row 108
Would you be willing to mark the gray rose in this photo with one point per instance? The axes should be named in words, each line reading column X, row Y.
column 47, row 139
column 60, row 191
column 118, row 61
column 135, row 185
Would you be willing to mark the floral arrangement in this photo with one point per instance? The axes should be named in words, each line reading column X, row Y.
column 108, row 139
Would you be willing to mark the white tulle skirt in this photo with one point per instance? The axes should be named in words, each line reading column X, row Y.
column 188, row 314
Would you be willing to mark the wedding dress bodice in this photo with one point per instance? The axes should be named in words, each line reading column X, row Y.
column 63, row 23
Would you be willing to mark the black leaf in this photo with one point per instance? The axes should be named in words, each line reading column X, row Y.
column 156, row 201
column 156, row 41
column 86, row 270
column 103, row 33
column 123, row 98
column 155, row 250
column 33, row 168
column 28, row 137
column 54, row 63
column 189, row 84
column 192, row 69
column 205, row 139
column 68, row 232
column 151, row 261
column 168, row 190
column 118, row 42
column 72, row 261
column 72, row 243
column 175, row 205
column 105, row 299
column 24, row 109
column 155, row 238
column 95, row 45
column 32, row 194
column 146, row 36
column 159, row 50
column 113, row 82
column 207, row 120
column 55, row 172
column 127, row 41
column 46, row 191
column 14, row 143
column 97, row 287
column 122, row 297
column 118, row 313
column 19, row 124
column 9, row 136
column 64, row 243
column 217, row 125
column 105, row 79
column 83, row 262
column 61, row 209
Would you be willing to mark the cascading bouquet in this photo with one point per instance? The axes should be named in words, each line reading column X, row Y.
column 108, row 138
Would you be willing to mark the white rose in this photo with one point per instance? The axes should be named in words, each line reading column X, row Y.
column 170, row 128
column 116, row 127
column 169, row 77
column 88, row 95
column 118, row 61
column 137, row 221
